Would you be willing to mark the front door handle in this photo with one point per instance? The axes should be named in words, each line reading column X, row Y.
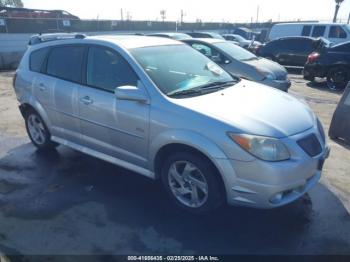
column 86, row 100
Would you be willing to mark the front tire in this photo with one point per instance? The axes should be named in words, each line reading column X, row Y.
column 192, row 182
column 37, row 131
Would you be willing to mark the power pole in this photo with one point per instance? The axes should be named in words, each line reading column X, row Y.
column 163, row 14
column 182, row 16
column 121, row 14
column 257, row 14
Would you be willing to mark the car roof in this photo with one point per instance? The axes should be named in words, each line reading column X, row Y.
column 136, row 41
column 125, row 41
column 168, row 33
column 310, row 23
column 205, row 40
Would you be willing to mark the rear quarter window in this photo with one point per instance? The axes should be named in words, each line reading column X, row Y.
column 37, row 59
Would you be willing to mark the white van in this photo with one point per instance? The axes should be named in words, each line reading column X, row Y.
column 335, row 33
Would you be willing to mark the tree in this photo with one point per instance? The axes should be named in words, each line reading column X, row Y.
column 11, row 3
column 337, row 6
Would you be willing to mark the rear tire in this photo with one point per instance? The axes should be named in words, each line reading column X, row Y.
column 37, row 131
column 338, row 77
column 192, row 183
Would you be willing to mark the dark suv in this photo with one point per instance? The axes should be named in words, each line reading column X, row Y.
column 332, row 63
column 291, row 51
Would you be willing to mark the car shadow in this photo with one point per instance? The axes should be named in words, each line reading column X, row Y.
column 322, row 85
column 63, row 179
column 342, row 143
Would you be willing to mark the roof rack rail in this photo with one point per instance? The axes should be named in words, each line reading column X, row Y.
column 42, row 38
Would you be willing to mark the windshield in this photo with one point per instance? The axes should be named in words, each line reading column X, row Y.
column 179, row 36
column 235, row 51
column 217, row 36
column 175, row 68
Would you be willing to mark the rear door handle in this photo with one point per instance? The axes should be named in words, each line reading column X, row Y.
column 42, row 87
column 86, row 100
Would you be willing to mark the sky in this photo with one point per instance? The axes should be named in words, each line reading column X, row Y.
column 206, row 10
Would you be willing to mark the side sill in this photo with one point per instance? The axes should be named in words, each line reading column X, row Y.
column 107, row 158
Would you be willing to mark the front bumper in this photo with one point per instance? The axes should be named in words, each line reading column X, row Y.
column 263, row 184
column 282, row 85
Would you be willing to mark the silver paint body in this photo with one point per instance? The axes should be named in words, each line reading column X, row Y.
column 130, row 133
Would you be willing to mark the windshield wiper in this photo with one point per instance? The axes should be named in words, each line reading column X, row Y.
column 217, row 85
column 192, row 91
column 201, row 89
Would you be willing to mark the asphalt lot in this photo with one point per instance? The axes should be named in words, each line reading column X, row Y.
column 65, row 202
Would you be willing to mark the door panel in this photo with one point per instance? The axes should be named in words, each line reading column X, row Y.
column 340, row 125
column 114, row 127
column 68, row 126
column 118, row 128
column 64, row 71
column 43, row 88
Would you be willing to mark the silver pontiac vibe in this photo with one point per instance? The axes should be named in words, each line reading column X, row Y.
column 160, row 108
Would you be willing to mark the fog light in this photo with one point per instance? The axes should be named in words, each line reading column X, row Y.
column 277, row 198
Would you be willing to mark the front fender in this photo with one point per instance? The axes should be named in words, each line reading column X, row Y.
column 188, row 138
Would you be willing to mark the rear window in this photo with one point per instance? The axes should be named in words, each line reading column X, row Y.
column 37, row 59
column 337, row 32
column 318, row 31
column 66, row 63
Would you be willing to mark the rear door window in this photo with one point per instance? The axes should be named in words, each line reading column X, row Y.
column 337, row 32
column 318, row 31
column 306, row 30
column 37, row 59
column 66, row 62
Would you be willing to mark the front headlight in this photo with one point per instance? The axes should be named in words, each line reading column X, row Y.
column 265, row 74
column 270, row 76
column 265, row 148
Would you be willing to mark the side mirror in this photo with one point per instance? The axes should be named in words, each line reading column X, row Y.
column 131, row 93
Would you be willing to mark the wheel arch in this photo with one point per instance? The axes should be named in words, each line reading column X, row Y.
column 169, row 149
column 32, row 104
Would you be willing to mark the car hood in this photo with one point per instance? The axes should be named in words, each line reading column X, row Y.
column 253, row 108
column 268, row 66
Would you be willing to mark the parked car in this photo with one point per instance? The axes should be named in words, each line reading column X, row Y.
column 158, row 107
column 175, row 35
column 242, row 42
column 205, row 35
column 332, row 63
column 335, row 33
column 240, row 62
column 291, row 51
column 340, row 124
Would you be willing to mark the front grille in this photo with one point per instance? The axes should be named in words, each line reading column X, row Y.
column 310, row 145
